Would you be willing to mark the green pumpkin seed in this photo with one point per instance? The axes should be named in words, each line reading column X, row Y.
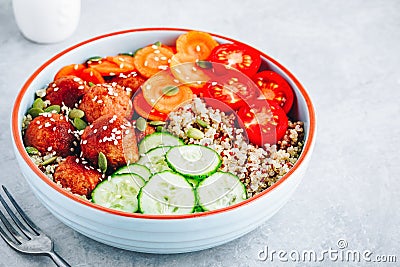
column 141, row 124
column 195, row 133
column 204, row 64
column 31, row 150
column 158, row 43
column 91, row 84
column 170, row 90
column 202, row 123
column 127, row 54
column 79, row 124
column 76, row 113
column 102, row 162
column 49, row 161
column 53, row 109
column 34, row 112
column 39, row 103
column 94, row 59
column 157, row 123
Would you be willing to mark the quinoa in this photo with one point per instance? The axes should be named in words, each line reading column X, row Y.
column 257, row 167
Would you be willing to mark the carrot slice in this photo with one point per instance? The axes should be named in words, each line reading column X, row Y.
column 152, row 59
column 185, row 69
column 197, row 44
column 165, row 93
column 91, row 75
column 146, row 111
column 73, row 69
column 123, row 61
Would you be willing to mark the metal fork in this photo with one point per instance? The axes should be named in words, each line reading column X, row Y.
column 23, row 235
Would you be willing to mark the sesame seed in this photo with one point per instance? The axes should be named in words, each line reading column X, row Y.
column 84, row 142
column 81, row 87
column 37, row 122
column 115, row 142
column 76, row 66
column 154, row 46
column 105, row 127
column 99, row 101
column 163, row 58
column 76, row 79
column 198, row 48
column 54, row 129
column 95, row 131
column 156, row 58
column 56, row 89
column 146, row 63
column 112, row 73
column 49, row 148
column 47, row 124
column 77, row 160
column 148, row 86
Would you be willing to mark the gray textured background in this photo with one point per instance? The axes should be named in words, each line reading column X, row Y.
column 346, row 53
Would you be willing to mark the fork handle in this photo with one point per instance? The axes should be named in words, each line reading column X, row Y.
column 58, row 260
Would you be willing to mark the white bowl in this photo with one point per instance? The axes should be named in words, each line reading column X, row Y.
column 154, row 233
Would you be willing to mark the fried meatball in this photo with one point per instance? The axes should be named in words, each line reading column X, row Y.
column 78, row 175
column 66, row 90
column 130, row 82
column 50, row 132
column 113, row 136
column 105, row 99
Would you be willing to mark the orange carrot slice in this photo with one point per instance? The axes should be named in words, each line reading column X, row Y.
column 185, row 69
column 91, row 75
column 152, row 59
column 146, row 111
column 73, row 69
column 196, row 44
column 123, row 61
column 165, row 93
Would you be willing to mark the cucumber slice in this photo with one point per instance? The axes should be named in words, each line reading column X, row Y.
column 154, row 160
column 193, row 161
column 220, row 190
column 120, row 192
column 158, row 139
column 167, row 193
column 134, row 168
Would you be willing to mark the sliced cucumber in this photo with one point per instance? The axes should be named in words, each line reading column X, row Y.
column 154, row 160
column 193, row 161
column 220, row 190
column 167, row 193
column 134, row 168
column 120, row 192
column 158, row 139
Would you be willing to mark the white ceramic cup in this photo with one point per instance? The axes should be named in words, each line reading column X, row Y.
column 47, row 21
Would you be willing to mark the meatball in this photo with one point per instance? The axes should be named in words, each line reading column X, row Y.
column 113, row 136
column 76, row 174
column 66, row 90
column 130, row 82
column 105, row 99
column 50, row 132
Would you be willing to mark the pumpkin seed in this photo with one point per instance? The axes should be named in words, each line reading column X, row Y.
column 76, row 113
column 31, row 150
column 202, row 123
column 204, row 64
column 195, row 133
column 94, row 59
column 79, row 124
column 53, row 109
column 102, row 162
column 49, row 160
column 141, row 124
column 157, row 123
column 91, row 84
column 158, row 43
column 126, row 54
column 34, row 112
column 39, row 103
column 170, row 90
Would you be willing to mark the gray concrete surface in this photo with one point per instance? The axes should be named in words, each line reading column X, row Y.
column 346, row 53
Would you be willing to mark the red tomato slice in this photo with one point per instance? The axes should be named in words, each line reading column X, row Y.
column 232, row 90
column 240, row 57
column 274, row 87
column 265, row 122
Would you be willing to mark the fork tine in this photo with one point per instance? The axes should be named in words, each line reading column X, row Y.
column 21, row 227
column 10, row 228
column 21, row 212
column 7, row 239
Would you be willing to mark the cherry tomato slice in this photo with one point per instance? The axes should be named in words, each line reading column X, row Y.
column 274, row 87
column 232, row 90
column 265, row 122
column 238, row 56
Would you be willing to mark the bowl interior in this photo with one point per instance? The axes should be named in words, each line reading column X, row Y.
column 129, row 41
